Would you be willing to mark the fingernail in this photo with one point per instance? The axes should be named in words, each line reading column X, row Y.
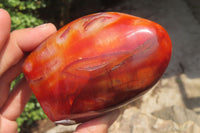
column 42, row 27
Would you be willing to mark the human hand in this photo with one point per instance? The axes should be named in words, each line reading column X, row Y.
column 98, row 125
column 12, row 48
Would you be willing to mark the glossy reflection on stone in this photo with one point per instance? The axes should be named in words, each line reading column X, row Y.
column 96, row 63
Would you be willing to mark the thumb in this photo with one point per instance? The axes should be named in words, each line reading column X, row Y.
column 98, row 125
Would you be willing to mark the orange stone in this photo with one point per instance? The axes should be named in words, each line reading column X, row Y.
column 96, row 64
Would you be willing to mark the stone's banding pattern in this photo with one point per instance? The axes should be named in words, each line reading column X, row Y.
column 96, row 63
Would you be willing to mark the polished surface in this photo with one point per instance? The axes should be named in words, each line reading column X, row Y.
column 95, row 63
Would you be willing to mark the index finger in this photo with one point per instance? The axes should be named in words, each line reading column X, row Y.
column 21, row 41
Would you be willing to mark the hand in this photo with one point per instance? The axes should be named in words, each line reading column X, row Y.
column 98, row 125
column 12, row 48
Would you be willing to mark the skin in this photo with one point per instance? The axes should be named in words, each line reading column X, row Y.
column 13, row 46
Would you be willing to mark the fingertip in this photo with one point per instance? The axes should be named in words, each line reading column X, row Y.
column 5, row 24
column 4, row 12
column 52, row 27
column 5, row 21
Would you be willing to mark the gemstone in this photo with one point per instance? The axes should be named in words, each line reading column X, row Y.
column 95, row 64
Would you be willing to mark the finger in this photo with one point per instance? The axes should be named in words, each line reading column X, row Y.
column 16, row 101
column 5, row 24
column 98, row 125
column 5, row 123
column 23, row 40
column 6, row 80
column 30, row 38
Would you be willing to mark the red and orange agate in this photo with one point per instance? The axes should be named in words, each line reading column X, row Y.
column 95, row 63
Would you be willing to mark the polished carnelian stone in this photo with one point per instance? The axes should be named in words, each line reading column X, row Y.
column 95, row 64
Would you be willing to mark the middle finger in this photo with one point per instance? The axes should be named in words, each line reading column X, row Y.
column 6, row 80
